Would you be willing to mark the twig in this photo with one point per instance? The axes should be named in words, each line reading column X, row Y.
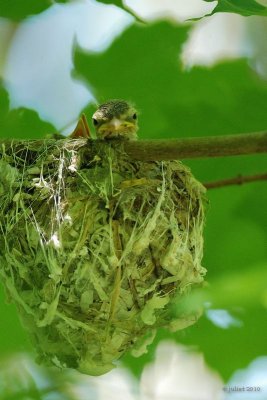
column 239, row 180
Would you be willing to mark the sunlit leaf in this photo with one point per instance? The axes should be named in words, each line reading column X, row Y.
column 242, row 7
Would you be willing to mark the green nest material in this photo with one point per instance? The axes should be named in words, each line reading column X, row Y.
column 95, row 247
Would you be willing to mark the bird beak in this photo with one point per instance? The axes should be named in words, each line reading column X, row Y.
column 115, row 123
column 116, row 128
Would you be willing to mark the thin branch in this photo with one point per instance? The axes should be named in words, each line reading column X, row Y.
column 213, row 146
column 238, row 180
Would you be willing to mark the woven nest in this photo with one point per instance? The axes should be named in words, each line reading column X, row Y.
column 95, row 248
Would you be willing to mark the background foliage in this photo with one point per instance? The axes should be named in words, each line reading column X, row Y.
column 143, row 65
column 17, row 10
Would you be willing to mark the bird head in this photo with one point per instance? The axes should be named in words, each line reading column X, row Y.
column 116, row 119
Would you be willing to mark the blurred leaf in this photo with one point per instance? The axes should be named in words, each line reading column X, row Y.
column 227, row 350
column 119, row 3
column 247, row 288
column 136, row 364
column 22, row 379
column 13, row 337
column 243, row 288
column 242, row 7
column 18, row 10
column 235, row 232
column 259, row 215
column 20, row 123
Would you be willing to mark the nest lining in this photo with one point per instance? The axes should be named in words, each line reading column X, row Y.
column 95, row 247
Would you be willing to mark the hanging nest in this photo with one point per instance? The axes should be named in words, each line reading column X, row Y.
column 96, row 247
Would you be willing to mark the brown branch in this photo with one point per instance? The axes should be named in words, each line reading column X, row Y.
column 213, row 146
column 173, row 149
column 238, row 180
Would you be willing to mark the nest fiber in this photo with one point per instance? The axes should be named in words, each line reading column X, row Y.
column 95, row 247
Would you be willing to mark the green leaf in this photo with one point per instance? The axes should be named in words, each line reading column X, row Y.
column 21, row 123
column 13, row 337
column 242, row 7
column 235, row 234
column 227, row 350
column 18, row 10
column 119, row 3
column 230, row 290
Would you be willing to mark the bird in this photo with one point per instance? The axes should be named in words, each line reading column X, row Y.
column 116, row 119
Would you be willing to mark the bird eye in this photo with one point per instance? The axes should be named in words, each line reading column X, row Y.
column 135, row 116
column 95, row 122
